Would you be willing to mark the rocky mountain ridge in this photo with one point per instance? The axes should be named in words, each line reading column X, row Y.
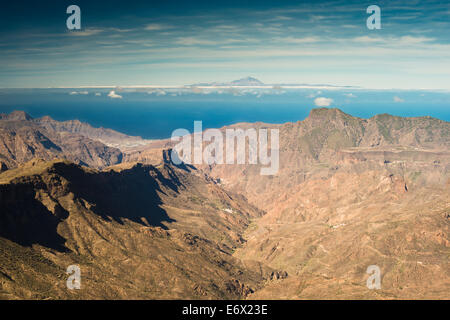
column 24, row 138
column 350, row 193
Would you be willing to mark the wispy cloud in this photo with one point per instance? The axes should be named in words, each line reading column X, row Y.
column 368, row 39
column 193, row 41
column 190, row 41
column 86, row 32
column 78, row 92
column 298, row 40
column 403, row 40
column 280, row 18
column 305, row 41
column 397, row 99
column 155, row 27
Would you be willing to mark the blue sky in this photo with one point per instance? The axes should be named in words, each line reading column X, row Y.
column 183, row 42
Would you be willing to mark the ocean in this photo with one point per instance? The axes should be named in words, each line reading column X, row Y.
column 155, row 114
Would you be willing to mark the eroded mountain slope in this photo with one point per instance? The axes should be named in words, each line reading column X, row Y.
column 349, row 193
column 23, row 138
column 136, row 231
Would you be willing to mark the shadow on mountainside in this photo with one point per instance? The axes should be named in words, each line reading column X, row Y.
column 130, row 194
column 167, row 158
column 26, row 221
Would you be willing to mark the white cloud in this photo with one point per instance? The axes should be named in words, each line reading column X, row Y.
column 122, row 30
column 79, row 92
column 280, row 18
column 397, row 99
column 323, row 102
column 112, row 94
column 394, row 41
column 414, row 40
column 349, row 95
column 189, row 41
column 367, row 39
column 226, row 28
column 98, row 94
column 298, row 40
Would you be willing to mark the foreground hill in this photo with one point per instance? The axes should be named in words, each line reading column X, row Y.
column 136, row 231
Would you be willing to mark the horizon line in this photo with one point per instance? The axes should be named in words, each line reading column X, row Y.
column 265, row 86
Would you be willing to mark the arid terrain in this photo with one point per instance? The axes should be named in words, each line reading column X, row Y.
column 349, row 193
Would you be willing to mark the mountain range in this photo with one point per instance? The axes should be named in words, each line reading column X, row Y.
column 253, row 82
column 349, row 193
column 247, row 81
column 24, row 138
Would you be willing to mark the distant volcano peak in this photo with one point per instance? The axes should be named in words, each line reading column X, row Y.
column 247, row 81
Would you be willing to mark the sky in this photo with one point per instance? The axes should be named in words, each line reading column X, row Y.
column 183, row 42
